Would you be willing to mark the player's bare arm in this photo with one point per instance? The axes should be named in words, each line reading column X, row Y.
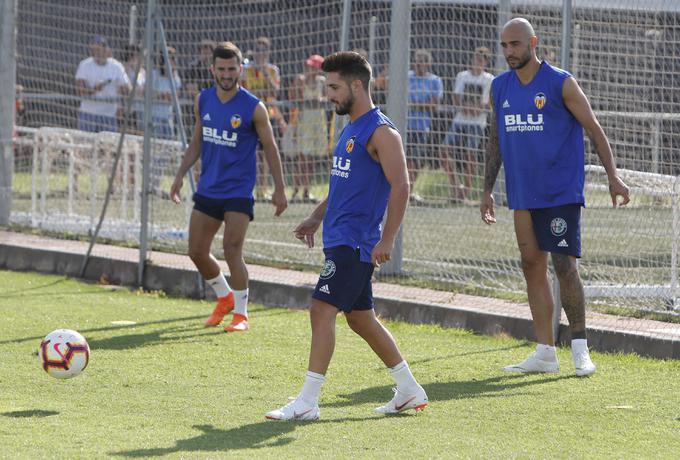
column 491, row 167
column 191, row 155
column 308, row 227
column 577, row 103
column 271, row 153
column 386, row 147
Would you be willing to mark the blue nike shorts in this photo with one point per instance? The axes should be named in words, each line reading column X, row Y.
column 558, row 229
column 345, row 281
column 216, row 207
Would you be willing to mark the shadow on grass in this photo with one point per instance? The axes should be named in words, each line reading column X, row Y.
column 37, row 413
column 499, row 386
column 252, row 436
column 197, row 318
column 467, row 353
column 30, row 291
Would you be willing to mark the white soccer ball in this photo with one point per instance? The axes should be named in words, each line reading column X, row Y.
column 64, row 353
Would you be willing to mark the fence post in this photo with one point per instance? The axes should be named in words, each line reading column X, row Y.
column 8, row 55
column 565, row 64
column 397, row 99
column 148, row 133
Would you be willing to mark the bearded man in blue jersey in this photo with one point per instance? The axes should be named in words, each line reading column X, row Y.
column 229, row 122
column 539, row 114
column 368, row 176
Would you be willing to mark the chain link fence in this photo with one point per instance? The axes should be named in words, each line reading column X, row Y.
column 622, row 52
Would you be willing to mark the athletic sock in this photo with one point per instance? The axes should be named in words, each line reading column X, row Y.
column 546, row 352
column 312, row 387
column 220, row 285
column 579, row 345
column 241, row 302
column 403, row 377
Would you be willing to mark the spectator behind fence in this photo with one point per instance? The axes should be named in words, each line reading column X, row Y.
column 100, row 81
column 162, row 109
column 311, row 125
column 463, row 141
column 131, row 59
column 425, row 91
column 263, row 79
column 198, row 76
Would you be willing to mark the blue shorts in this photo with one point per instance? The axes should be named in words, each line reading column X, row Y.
column 345, row 281
column 558, row 229
column 216, row 207
column 465, row 135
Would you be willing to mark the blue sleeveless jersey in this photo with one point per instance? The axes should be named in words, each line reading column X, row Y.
column 540, row 141
column 358, row 189
column 229, row 140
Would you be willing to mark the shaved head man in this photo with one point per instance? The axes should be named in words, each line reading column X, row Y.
column 536, row 130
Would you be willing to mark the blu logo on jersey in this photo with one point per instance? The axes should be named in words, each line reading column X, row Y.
column 341, row 167
column 224, row 138
column 521, row 123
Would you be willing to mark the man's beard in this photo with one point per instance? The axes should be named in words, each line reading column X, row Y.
column 345, row 107
column 226, row 88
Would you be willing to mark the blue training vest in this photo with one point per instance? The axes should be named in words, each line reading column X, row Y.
column 358, row 189
column 540, row 141
column 229, row 140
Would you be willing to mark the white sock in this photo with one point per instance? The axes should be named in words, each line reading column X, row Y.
column 546, row 352
column 241, row 302
column 403, row 376
column 219, row 285
column 579, row 345
column 312, row 387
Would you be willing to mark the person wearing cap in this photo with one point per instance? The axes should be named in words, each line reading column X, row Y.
column 310, row 123
column 100, row 81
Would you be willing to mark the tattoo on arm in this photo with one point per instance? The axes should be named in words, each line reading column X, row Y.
column 493, row 156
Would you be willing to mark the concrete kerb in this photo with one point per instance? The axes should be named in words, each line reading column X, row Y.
column 181, row 281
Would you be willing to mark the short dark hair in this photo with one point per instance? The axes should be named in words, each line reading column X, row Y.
column 350, row 65
column 227, row 50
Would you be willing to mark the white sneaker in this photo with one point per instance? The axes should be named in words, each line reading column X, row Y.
column 582, row 362
column 297, row 409
column 402, row 402
column 534, row 364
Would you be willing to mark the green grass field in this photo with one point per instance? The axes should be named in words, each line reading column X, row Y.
column 165, row 386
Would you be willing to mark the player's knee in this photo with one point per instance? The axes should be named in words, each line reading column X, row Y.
column 533, row 265
column 197, row 254
column 232, row 249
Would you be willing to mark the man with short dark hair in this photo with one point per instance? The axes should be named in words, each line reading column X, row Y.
column 368, row 177
column 229, row 122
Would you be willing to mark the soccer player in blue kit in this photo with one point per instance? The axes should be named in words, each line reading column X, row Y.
column 229, row 122
column 368, row 176
column 539, row 114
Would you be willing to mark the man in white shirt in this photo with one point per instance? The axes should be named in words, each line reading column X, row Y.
column 471, row 98
column 100, row 81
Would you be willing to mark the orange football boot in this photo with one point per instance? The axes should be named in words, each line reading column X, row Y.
column 239, row 323
column 224, row 305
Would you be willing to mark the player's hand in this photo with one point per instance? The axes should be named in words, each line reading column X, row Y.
column 382, row 252
column 279, row 201
column 617, row 188
column 486, row 209
column 176, row 187
column 305, row 231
